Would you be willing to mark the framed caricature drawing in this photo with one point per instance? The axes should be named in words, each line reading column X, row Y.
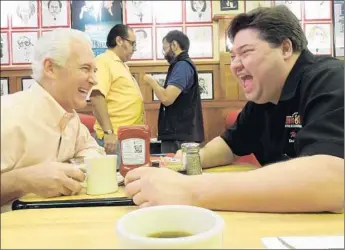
column 4, row 86
column 27, row 82
column 144, row 44
column 138, row 12
column 201, row 41
column 55, row 13
column 198, row 11
column 317, row 10
column 206, row 85
column 4, row 49
column 339, row 27
column 250, row 5
column 160, row 33
column 319, row 38
column 25, row 14
column 160, row 78
column 4, row 12
column 23, row 46
column 168, row 12
column 294, row 6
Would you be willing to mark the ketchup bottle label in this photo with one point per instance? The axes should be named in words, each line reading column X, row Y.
column 133, row 151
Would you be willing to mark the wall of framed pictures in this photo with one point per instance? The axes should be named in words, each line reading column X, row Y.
column 22, row 22
column 154, row 19
column 205, row 22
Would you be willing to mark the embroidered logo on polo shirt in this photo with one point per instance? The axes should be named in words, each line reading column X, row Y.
column 292, row 136
column 293, row 121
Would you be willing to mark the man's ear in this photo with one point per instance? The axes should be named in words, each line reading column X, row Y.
column 287, row 49
column 48, row 68
column 118, row 40
column 175, row 44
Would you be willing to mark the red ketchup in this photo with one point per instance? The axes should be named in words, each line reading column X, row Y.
column 134, row 147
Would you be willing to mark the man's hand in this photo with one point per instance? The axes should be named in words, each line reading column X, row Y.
column 149, row 186
column 110, row 143
column 148, row 78
column 52, row 179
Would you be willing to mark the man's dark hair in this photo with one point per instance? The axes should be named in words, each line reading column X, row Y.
column 60, row 4
column 274, row 25
column 179, row 37
column 120, row 30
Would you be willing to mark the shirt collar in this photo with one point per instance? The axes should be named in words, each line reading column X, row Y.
column 295, row 75
column 52, row 111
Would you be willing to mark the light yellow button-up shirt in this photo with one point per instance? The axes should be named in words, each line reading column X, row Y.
column 36, row 129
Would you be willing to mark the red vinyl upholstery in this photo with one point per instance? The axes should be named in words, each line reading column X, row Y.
column 229, row 121
column 88, row 121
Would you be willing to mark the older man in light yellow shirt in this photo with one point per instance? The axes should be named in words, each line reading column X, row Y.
column 39, row 127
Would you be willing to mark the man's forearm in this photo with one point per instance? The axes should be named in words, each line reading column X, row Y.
column 216, row 153
column 12, row 186
column 306, row 184
column 100, row 109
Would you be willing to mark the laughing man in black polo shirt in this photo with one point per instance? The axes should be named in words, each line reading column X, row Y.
column 293, row 123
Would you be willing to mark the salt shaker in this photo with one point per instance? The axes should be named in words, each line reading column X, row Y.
column 192, row 158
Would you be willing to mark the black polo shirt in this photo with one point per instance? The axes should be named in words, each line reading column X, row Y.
column 308, row 119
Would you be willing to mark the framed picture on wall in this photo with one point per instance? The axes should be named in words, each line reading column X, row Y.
column 23, row 46
column 164, row 14
column 144, row 44
column 294, row 6
column 319, row 38
column 250, row 5
column 317, row 10
column 5, row 86
column 160, row 78
column 96, row 18
column 25, row 14
column 4, row 49
column 206, row 85
column 201, row 41
column 160, row 33
column 198, row 11
column 55, row 13
column 27, row 82
column 338, row 28
column 4, row 12
column 228, row 5
column 138, row 12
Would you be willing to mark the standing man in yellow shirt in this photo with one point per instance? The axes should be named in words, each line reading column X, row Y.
column 116, row 100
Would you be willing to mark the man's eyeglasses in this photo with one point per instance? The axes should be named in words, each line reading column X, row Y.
column 132, row 43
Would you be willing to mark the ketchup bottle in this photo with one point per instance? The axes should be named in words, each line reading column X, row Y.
column 134, row 147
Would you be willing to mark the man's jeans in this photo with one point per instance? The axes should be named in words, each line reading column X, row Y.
column 117, row 153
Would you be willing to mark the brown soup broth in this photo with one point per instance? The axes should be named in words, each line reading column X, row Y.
column 170, row 234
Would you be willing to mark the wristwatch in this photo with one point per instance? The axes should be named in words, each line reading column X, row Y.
column 109, row 132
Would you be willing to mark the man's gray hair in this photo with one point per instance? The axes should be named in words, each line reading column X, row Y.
column 55, row 45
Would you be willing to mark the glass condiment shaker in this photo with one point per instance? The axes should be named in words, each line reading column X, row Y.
column 192, row 158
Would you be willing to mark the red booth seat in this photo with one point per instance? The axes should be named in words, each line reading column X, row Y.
column 88, row 121
column 229, row 121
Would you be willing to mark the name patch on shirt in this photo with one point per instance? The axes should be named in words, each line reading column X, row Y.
column 293, row 121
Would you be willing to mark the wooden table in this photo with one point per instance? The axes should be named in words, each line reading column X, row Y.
column 94, row 227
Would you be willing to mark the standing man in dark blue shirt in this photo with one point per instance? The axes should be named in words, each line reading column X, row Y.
column 180, row 114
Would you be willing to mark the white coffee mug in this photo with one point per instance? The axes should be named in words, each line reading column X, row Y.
column 135, row 229
column 101, row 176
